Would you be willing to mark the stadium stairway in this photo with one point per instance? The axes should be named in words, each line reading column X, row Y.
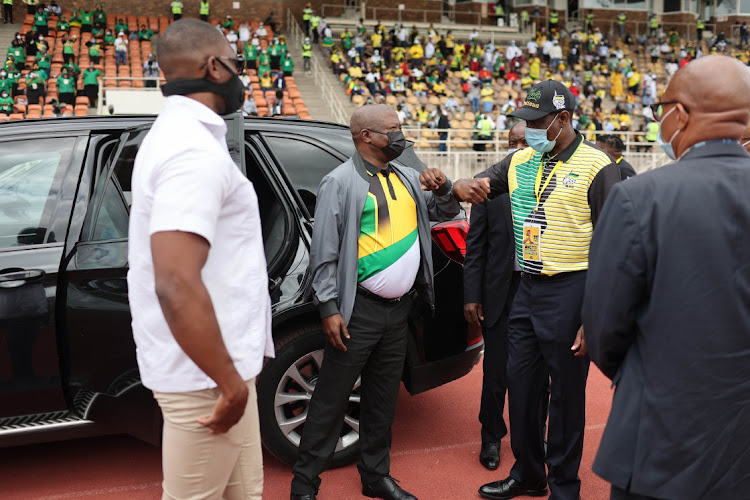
column 7, row 31
column 318, row 108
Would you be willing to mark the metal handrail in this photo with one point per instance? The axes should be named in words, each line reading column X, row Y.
column 498, row 138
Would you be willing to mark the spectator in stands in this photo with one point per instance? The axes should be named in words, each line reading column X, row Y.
column 287, row 65
column 251, row 52
column 122, row 26
column 94, row 51
column 443, row 124
column 279, row 82
column 40, row 21
column 31, row 6
column 91, row 83
column 744, row 35
column 264, row 62
column 266, row 82
column 100, row 17
column 416, row 54
column 276, row 52
column 66, row 87
column 73, row 68
column 277, row 104
column 43, row 61
column 53, row 9
column 145, row 34
column 6, row 102
column 35, row 86
column 6, row 83
column 327, row 42
column 243, row 31
column 121, row 50
column 487, row 95
column 271, row 21
column 249, row 107
column 19, row 54
column 151, row 71
column 232, row 38
column 87, row 20
column 261, row 31
column 474, row 96
column 75, row 18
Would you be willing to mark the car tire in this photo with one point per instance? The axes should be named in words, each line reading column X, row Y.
column 284, row 390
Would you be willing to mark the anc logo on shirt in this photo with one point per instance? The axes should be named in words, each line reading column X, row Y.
column 570, row 180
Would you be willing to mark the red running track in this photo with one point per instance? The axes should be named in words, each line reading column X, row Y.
column 435, row 456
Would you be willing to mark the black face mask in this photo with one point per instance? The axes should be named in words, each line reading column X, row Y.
column 232, row 91
column 396, row 144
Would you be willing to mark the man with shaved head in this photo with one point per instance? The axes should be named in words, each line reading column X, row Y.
column 371, row 258
column 197, row 279
column 667, row 303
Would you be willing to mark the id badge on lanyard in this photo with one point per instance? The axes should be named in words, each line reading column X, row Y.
column 532, row 232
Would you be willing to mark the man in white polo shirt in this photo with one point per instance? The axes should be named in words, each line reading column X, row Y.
column 197, row 281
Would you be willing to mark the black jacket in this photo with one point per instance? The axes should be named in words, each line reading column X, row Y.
column 667, row 318
column 488, row 267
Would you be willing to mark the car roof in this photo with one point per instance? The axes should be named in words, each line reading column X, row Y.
column 121, row 122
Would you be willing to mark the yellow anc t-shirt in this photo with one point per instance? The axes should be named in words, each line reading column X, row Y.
column 389, row 240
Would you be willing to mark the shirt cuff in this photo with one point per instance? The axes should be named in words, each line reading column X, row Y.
column 445, row 191
column 328, row 308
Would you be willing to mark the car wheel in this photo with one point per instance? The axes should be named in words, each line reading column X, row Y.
column 285, row 388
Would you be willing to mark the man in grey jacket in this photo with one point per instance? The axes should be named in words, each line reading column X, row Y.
column 370, row 256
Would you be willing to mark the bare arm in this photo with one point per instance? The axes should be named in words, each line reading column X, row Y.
column 178, row 259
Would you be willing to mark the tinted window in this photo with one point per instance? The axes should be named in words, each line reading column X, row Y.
column 112, row 219
column 305, row 164
column 30, row 177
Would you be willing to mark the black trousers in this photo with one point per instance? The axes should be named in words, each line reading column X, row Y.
column 376, row 350
column 8, row 12
column 494, row 364
column 544, row 320
column 620, row 494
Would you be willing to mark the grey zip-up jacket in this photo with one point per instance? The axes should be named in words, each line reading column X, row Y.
column 338, row 214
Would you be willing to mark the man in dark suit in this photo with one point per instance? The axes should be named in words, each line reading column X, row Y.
column 613, row 146
column 491, row 276
column 667, row 302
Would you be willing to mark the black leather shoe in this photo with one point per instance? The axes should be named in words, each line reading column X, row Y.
column 309, row 496
column 509, row 488
column 386, row 488
column 490, row 455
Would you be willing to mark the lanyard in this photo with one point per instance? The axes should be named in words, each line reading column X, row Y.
column 538, row 192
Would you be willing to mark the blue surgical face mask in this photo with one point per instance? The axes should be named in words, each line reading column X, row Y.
column 537, row 138
column 667, row 146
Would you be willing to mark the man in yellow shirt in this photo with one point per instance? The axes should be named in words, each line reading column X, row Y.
column 488, row 94
column 416, row 53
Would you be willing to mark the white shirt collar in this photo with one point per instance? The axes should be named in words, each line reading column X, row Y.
column 213, row 122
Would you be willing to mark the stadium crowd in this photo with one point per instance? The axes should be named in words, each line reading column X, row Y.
column 438, row 81
column 57, row 60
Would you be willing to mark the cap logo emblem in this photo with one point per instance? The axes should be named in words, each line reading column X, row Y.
column 558, row 101
column 533, row 95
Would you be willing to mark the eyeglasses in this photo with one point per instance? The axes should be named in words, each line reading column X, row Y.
column 657, row 109
column 239, row 63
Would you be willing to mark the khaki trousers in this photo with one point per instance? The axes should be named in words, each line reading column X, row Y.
column 198, row 465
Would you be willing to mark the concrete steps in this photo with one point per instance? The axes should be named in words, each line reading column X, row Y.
column 7, row 32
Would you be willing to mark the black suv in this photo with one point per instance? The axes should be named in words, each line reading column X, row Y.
column 67, row 357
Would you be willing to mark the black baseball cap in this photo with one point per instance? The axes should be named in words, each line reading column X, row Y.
column 544, row 98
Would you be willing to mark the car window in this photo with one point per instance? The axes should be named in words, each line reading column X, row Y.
column 31, row 173
column 306, row 164
column 112, row 219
